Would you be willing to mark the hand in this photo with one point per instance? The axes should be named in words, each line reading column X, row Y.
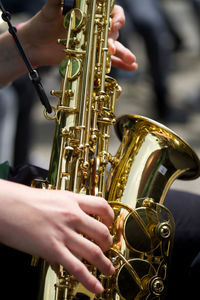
column 39, row 35
column 121, row 57
column 47, row 26
column 48, row 224
column 42, row 32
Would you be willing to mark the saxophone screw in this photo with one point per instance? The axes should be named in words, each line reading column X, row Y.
column 164, row 231
column 157, row 286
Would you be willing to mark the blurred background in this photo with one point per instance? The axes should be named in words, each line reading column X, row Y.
column 165, row 37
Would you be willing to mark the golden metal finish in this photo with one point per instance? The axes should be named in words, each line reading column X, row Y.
column 148, row 160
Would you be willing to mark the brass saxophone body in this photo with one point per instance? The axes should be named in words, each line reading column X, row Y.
column 148, row 160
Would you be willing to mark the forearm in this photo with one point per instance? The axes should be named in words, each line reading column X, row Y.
column 11, row 63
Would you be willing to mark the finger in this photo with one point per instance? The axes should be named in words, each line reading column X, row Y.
column 113, row 36
column 124, row 58
column 97, row 206
column 75, row 267
column 119, row 63
column 124, row 53
column 111, row 46
column 96, row 231
column 118, row 18
column 88, row 250
column 111, row 42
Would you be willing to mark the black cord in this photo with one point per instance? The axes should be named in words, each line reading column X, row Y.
column 33, row 74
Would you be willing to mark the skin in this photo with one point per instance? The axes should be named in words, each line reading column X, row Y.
column 43, row 222
column 47, row 223
column 39, row 35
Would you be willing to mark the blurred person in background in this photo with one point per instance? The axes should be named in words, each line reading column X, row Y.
column 196, row 6
column 147, row 18
column 8, row 120
column 192, row 100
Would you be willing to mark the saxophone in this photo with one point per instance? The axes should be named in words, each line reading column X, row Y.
column 134, row 181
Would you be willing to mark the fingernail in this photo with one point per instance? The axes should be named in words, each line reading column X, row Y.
column 112, row 47
column 99, row 288
column 112, row 269
column 136, row 66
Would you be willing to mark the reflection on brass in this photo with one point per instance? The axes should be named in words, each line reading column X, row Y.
column 136, row 238
column 118, row 231
column 128, row 289
column 149, row 159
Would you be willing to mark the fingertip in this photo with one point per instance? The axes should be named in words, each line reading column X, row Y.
column 118, row 16
column 98, row 288
column 134, row 66
column 111, row 47
column 128, row 57
column 112, row 270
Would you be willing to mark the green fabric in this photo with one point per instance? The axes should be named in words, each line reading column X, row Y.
column 4, row 170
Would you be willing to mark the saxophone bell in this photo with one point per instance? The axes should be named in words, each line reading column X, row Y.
column 150, row 158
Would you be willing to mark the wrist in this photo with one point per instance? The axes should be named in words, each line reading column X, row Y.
column 26, row 51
